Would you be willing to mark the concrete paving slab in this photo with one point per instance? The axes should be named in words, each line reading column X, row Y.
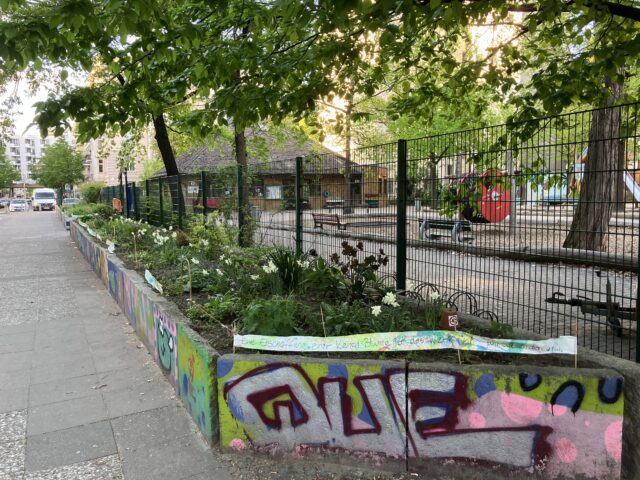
column 159, row 462
column 67, row 414
column 106, row 468
column 13, row 398
column 62, row 370
column 151, row 427
column 64, row 389
column 73, row 445
column 146, row 396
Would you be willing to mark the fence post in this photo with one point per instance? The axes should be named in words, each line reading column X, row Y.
column 299, row 205
column 146, row 198
column 203, row 189
column 638, row 313
column 401, row 218
column 134, row 200
column 241, row 200
column 122, row 199
column 161, row 202
column 180, row 200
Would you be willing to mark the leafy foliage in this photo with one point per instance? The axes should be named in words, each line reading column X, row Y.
column 60, row 165
column 90, row 191
column 8, row 173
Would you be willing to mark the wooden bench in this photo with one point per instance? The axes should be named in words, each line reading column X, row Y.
column 457, row 228
column 320, row 219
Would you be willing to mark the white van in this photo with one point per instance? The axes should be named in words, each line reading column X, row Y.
column 43, row 199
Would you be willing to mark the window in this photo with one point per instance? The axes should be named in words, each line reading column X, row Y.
column 273, row 192
column 449, row 170
column 382, row 186
column 100, row 165
column 313, row 187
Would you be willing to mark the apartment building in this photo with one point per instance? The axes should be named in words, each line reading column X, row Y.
column 25, row 151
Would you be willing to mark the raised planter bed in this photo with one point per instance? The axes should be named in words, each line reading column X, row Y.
column 484, row 421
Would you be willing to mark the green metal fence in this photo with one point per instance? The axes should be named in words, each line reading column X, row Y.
column 486, row 219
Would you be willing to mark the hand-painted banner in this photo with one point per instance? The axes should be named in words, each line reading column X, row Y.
column 153, row 281
column 404, row 341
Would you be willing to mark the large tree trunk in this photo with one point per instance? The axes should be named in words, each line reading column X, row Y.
column 599, row 188
column 164, row 145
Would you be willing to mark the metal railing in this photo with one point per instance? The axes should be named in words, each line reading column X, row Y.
column 533, row 224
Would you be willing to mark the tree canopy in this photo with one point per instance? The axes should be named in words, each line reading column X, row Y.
column 60, row 165
column 8, row 173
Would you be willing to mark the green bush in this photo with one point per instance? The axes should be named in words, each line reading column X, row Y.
column 90, row 191
column 276, row 316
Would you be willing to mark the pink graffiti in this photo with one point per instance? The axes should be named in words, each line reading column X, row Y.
column 612, row 440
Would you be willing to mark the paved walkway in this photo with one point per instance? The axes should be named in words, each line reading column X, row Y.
column 80, row 398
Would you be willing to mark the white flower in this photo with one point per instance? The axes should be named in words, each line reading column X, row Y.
column 219, row 272
column 195, row 261
column 303, row 263
column 375, row 311
column 270, row 267
column 390, row 299
column 227, row 261
column 204, row 242
column 255, row 277
column 222, row 257
column 204, row 272
column 143, row 231
column 170, row 227
column 409, row 286
column 434, row 296
column 191, row 244
column 174, row 235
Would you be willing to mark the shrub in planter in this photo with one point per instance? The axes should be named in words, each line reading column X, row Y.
column 90, row 191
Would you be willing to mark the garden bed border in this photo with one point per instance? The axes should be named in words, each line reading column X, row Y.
column 192, row 370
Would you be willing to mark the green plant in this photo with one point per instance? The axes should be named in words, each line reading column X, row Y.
column 501, row 330
column 276, row 316
column 290, row 267
column 221, row 308
column 359, row 272
column 90, row 191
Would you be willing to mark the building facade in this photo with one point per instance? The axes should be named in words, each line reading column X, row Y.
column 25, row 151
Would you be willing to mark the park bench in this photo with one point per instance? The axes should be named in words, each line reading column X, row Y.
column 457, row 228
column 320, row 219
column 372, row 203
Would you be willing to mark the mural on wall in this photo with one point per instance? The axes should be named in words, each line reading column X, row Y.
column 196, row 381
column 273, row 405
column 556, row 424
column 165, row 341
column 563, row 425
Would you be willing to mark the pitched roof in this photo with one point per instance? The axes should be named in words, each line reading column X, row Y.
column 280, row 158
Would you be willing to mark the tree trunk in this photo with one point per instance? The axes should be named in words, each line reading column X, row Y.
column 348, row 204
column 164, row 145
column 599, row 188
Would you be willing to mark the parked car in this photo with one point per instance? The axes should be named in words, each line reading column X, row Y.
column 4, row 202
column 18, row 205
column 70, row 201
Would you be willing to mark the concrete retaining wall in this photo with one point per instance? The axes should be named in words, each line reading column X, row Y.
column 491, row 422
column 184, row 357
column 486, row 421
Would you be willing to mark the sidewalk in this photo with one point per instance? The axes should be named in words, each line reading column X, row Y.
column 80, row 398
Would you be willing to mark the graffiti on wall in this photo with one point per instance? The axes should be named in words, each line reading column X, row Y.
column 196, row 381
column 293, row 407
column 566, row 426
column 165, row 341
column 563, row 426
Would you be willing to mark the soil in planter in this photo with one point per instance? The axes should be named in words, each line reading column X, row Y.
column 221, row 340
